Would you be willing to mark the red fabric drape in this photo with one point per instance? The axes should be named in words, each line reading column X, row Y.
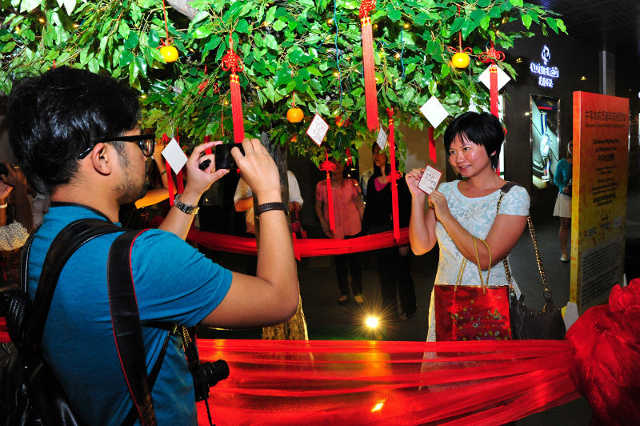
column 386, row 383
column 304, row 247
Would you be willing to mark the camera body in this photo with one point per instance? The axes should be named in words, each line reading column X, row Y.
column 206, row 375
column 224, row 159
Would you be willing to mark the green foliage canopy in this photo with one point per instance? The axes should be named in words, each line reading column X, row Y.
column 289, row 52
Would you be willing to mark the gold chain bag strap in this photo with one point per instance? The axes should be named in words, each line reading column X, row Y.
column 528, row 323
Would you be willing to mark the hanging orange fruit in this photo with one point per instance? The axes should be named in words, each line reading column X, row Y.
column 293, row 138
column 295, row 115
column 169, row 53
column 460, row 60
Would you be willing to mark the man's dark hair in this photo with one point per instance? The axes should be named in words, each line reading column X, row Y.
column 480, row 128
column 53, row 118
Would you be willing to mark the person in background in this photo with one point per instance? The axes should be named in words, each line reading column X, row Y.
column 394, row 270
column 460, row 212
column 348, row 212
column 76, row 136
column 562, row 209
column 14, row 195
column 243, row 200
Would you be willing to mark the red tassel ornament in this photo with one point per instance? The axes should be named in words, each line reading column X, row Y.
column 493, row 89
column 231, row 62
column 368, row 64
column 329, row 167
column 394, row 177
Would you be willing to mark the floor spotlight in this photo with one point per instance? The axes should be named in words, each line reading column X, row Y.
column 372, row 322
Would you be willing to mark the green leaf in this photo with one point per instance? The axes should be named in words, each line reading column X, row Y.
column 561, row 25
column 444, row 70
column 270, row 42
column 29, row 5
column 553, row 24
column 203, row 31
column 271, row 13
column 279, row 25
column 211, row 44
column 154, row 39
column 141, row 64
column 243, row 26
column 132, row 41
column 517, row 3
column 394, row 14
column 484, row 22
column 526, row 21
column 126, row 58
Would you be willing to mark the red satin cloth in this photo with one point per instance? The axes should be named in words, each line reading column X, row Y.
column 306, row 247
column 386, row 383
column 605, row 343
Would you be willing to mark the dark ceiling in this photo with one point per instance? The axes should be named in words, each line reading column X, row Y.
column 613, row 25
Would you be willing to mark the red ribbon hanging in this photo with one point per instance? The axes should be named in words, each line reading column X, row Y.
column 205, row 140
column 368, row 64
column 180, row 176
column 394, row 177
column 349, row 158
column 231, row 62
column 493, row 89
column 170, row 184
column 432, row 146
column 329, row 167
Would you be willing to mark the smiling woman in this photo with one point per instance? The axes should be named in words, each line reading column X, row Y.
column 477, row 219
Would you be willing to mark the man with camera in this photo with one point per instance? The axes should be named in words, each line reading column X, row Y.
column 76, row 136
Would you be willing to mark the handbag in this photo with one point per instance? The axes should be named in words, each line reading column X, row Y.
column 472, row 312
column 527, row 323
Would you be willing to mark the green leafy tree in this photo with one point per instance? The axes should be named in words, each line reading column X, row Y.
column 307, row 51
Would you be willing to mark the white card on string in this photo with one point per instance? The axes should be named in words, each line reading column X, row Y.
column 434, row 111
column 382, row 139
column 317, row 129
column 503, row 78
column 430, row 179
column 174, row 155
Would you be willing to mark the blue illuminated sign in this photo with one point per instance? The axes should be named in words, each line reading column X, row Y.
column 546, row 73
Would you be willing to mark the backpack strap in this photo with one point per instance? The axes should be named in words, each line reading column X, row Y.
column 72, row 237
column 125, row 318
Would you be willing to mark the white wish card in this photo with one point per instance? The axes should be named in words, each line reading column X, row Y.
column 430, row 179
column 317, row 129
column 434, row 111
column 174, row 155
column 382, row 139
column 485, row 78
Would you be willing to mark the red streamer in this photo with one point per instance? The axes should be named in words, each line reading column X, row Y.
column 394, row 176
column 231, row 62
column 368, row 65
column 305, row 247
column 493, row 89
column 432, row 147
column 328, row 166
column 205, row 140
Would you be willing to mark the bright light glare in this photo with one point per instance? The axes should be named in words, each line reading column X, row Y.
column 377, row 407
column 372, row 322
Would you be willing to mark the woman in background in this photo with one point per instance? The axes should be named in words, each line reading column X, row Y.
column 562, row 209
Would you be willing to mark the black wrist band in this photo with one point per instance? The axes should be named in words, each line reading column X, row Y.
column 261, row 208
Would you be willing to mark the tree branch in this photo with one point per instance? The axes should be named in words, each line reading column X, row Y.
column 182, row 7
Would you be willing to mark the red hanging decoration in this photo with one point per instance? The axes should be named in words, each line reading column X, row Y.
column 432, row 147
column 368, row 64
column 394, row 176
column 329, row 167
column 231, row 62
column 490, row 56
column 205, row 140
column 349, row 158
column 180, row 175
column 170, row 184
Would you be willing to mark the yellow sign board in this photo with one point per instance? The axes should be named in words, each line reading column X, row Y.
column 599, row 196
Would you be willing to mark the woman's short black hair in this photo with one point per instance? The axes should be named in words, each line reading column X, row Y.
column 480, row 128
column 53, row 118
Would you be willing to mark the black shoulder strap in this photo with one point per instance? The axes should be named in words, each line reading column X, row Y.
column 125, row 318
column 72, row 237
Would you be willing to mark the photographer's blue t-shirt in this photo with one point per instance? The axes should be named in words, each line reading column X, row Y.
column 173, row 283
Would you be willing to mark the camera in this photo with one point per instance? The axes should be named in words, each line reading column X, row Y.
column 224, row 159
column 3, row 169
column 206, row 375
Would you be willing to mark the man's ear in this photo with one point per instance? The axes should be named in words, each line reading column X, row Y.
column 101, row 159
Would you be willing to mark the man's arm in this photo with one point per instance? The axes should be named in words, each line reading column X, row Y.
column 272, row 295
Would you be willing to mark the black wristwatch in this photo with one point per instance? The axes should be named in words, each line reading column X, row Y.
column 261, row 208
column 185, row 208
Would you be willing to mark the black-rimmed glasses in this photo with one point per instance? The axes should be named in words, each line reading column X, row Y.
column 146, row 142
